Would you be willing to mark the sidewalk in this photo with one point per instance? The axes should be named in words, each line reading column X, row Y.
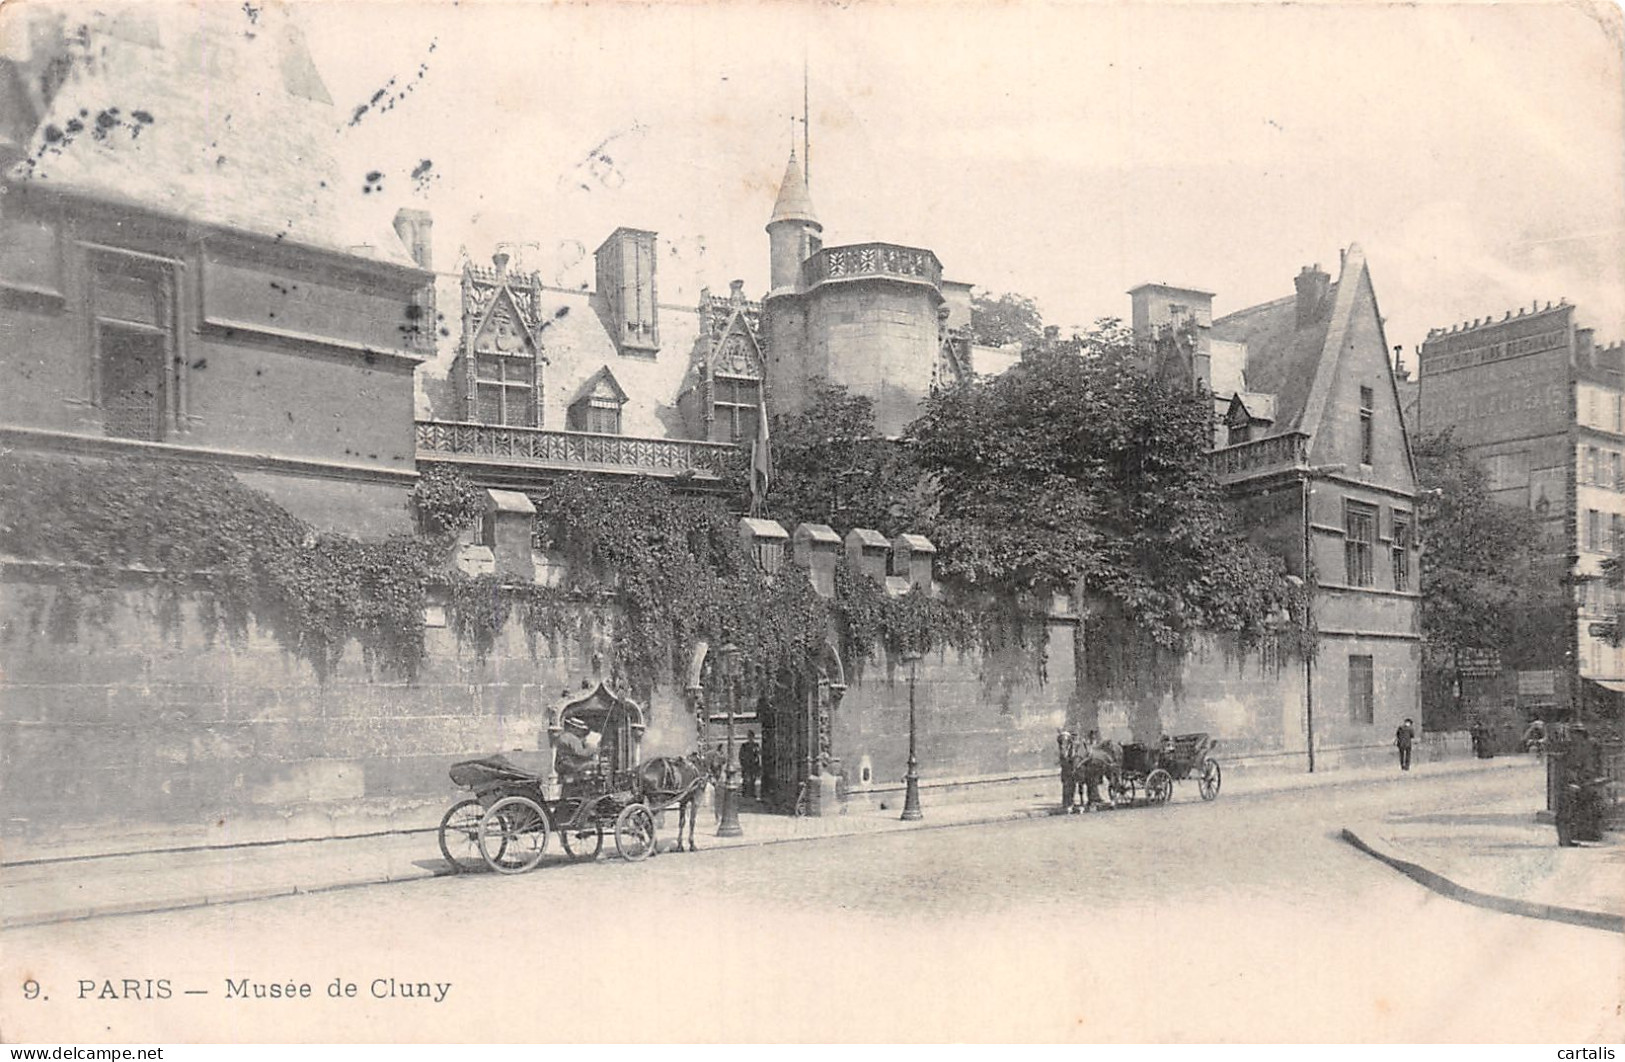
column 48, row 891
column 1499, row 857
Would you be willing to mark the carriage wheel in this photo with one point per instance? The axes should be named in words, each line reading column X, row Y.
column 1122, row 791
column 1211, row 777
column 635, row 833
column 1159, row 786
column 583, row 843
column 460, row 835
column 513, row 835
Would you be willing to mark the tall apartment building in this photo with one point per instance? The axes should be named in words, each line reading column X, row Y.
column 1538, row 402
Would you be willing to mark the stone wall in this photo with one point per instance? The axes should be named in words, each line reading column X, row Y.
column 146, row 732
column 975, row 718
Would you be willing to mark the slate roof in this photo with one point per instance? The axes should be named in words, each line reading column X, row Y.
column 200, row 112
column 794, row 202
column 578, row 347
column 1281, row 357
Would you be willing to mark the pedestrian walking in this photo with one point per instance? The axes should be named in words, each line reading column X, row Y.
column 1066, row 753
column 750, row 763
column 1402, row 740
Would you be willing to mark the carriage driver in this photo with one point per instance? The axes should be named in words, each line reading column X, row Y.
column 576, row 748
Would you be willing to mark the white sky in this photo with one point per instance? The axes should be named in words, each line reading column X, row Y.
column 1066, row 151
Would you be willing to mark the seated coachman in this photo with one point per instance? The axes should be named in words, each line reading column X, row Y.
column 576, row 751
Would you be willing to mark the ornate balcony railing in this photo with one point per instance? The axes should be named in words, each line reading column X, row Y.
column 872, row 260
column 501, row 444
column 1277, row 453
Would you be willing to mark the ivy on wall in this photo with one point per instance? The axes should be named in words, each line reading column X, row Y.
column 672, row 565
column 199, row 533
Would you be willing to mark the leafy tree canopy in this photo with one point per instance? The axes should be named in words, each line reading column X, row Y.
column 1009, row 318
column 1484, row 582
column 832, row 468
column 1079, row 464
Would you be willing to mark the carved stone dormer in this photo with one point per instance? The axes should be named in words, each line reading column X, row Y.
column 732, row 369
column 817, row 548
column 500, row 363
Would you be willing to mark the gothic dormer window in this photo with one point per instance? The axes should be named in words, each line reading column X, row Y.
column 736, row 387
column 598, row 409
column 500, row 365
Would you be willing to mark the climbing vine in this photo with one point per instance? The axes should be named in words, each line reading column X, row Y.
column 199, row 534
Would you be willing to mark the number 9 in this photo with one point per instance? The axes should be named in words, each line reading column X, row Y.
column 30, row 989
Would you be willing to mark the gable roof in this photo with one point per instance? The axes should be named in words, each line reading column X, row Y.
column 203, row 113
column 1282, row 358
column 1298, row 363
column 602, row 378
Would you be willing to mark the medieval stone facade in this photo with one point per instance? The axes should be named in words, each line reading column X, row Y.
column 1310, row 443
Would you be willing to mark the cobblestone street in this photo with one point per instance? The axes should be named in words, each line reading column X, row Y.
column 1242, row 919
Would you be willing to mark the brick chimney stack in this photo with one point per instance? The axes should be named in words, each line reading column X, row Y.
column 1313, row 284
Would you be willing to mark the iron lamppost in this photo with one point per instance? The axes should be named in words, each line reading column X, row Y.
column 729, row 826
column 911, row 796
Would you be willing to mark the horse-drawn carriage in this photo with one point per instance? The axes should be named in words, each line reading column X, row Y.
column 593, row 781
column 1150, row 771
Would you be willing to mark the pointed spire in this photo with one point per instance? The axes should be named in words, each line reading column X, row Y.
column 794, row 202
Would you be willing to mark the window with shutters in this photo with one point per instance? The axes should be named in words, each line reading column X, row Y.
column 138, row 367
column 1359, row 542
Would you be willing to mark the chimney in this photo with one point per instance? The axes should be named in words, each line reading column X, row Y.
column 415, row 228
column 1313, row 284
column 500, row 260
column 736, row 292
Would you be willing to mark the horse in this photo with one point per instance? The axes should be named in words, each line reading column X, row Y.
column 1099, row 761
column 679, row 780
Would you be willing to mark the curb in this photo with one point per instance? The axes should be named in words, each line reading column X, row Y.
column 1442, row 885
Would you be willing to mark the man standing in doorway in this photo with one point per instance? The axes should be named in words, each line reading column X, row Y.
column 1402, row 740
column 750, row 763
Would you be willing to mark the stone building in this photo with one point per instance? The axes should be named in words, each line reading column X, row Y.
column 180, row 276
column 878, row 318
column 1311, row 447
column 1537, row 400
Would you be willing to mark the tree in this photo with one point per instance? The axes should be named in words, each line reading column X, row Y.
column 1486, row 581
column 1007, row 318
column 832, row 468
column 1079, row 464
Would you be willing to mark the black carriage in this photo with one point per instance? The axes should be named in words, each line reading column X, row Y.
column 514, row 810
column 1149, row 771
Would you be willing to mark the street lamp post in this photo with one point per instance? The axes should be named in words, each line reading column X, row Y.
column 911, row 797
column 729, row 826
